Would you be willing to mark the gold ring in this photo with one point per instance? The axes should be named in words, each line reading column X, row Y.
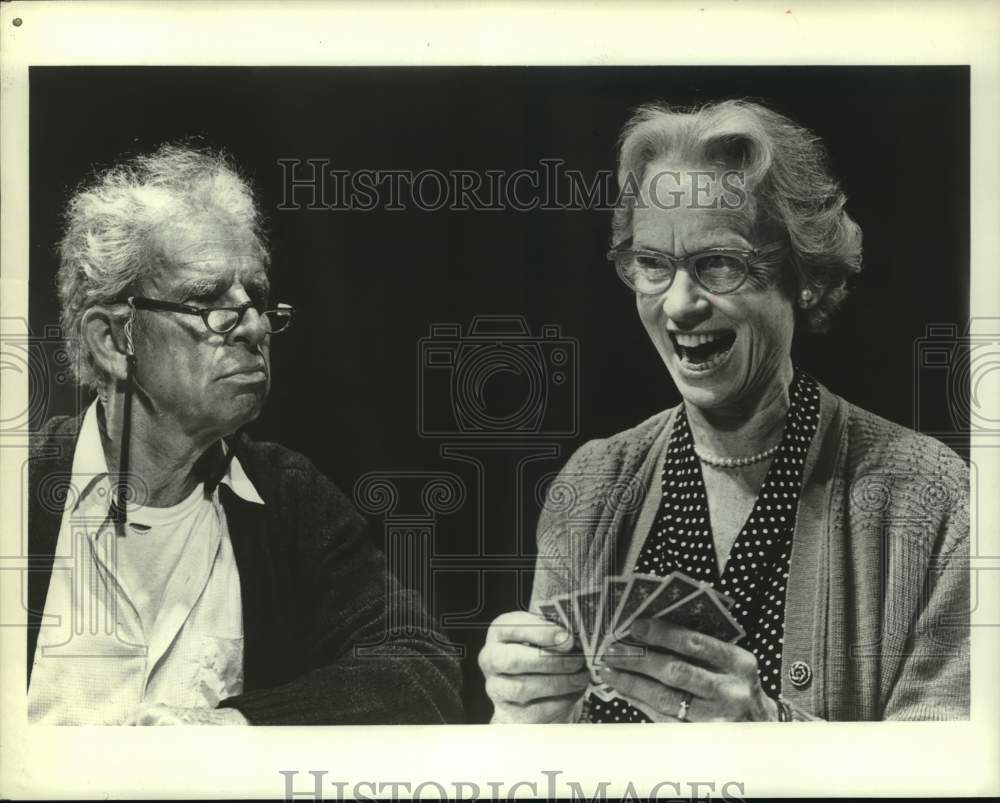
column 682, row 710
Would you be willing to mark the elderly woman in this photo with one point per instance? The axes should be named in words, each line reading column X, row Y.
column 840, row 537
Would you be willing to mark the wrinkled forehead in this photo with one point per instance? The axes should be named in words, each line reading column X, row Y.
column 210, row 278
column 698, row 197
column 209, row 254
column 684, row 188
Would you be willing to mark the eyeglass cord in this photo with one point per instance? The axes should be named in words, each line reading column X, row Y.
column 120, row 502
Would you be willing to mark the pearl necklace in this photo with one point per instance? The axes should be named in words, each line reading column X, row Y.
column 734, row 462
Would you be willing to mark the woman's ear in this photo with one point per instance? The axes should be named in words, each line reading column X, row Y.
column 102, row 332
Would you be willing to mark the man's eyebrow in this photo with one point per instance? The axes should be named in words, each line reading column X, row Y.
column 201, row 288
column 258, row 282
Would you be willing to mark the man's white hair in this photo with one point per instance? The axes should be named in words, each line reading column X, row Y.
column 107, row 246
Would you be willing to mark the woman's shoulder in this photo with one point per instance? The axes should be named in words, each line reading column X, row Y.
column 881, row 454
column 624, row 448
column 607, row 470
column 885, row 440
column 603, row 474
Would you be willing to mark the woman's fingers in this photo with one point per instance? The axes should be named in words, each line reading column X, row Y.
column 526, row 689
column 653, row 714
column 729, row 698
column 555, row 709
column 518, row 659
column 669, row 670
column 655, row 700
column 523, row 643
column 699, row 647
column 529, row 677
column 521, row 627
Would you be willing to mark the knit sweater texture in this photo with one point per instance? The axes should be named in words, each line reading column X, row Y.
column 877, row 604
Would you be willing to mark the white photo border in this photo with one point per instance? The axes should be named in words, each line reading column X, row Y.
column 810, row 758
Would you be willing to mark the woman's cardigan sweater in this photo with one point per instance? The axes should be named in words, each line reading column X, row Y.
column 877, row 606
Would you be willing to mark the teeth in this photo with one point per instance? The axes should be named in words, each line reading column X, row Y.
column 689, row 341
column 708, row 364
column 693, row 340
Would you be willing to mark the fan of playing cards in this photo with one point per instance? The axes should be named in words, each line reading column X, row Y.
column 597, row 617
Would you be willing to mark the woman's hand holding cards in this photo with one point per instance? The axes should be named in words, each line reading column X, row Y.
column 719, row 680
column 530, row 677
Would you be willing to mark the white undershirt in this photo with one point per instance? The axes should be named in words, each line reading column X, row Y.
column 152, row 547
column 153, row 615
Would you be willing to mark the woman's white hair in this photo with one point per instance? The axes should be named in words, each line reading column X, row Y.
column 107, row 247
column 786, row 177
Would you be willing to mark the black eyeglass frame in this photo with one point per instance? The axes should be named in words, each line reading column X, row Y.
column 286, row 310
column 748, row 257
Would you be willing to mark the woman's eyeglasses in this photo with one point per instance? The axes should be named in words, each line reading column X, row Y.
column 222, row 320
column 717, row 270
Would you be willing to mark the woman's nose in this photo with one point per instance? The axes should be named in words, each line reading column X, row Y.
column 685, row 301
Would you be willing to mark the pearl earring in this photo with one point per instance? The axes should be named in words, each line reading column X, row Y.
column 806, row 298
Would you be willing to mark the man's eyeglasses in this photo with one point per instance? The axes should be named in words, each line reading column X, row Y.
column 221, row 320
column 717, row 270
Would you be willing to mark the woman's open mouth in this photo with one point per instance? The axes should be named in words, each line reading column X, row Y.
column 702, row 351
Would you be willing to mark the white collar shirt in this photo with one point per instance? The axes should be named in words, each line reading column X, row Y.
column 150, row 616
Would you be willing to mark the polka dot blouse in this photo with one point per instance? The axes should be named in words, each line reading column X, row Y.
column 756, row 573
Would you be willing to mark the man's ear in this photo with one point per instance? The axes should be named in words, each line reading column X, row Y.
column 102, row 332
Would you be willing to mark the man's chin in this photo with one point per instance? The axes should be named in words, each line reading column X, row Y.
column 245, row 409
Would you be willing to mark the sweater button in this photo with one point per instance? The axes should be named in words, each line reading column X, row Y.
column 801, row 674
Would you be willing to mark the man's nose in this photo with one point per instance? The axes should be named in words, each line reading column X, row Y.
column 252, row 329
column 685, row 302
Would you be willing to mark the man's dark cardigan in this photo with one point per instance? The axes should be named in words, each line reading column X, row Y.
column 313, row 587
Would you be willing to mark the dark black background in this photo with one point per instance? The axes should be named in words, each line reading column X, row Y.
column 368, row 285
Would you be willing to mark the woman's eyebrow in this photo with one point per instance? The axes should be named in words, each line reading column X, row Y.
column 699, row 245
column 726, row 233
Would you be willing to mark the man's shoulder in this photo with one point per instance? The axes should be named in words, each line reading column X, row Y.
column 271, row 457
column 278, row 471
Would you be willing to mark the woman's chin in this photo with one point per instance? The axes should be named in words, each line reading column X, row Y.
column 704, row 398
column 704, row 385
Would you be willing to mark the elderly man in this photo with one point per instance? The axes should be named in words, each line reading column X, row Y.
column 216, row 580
